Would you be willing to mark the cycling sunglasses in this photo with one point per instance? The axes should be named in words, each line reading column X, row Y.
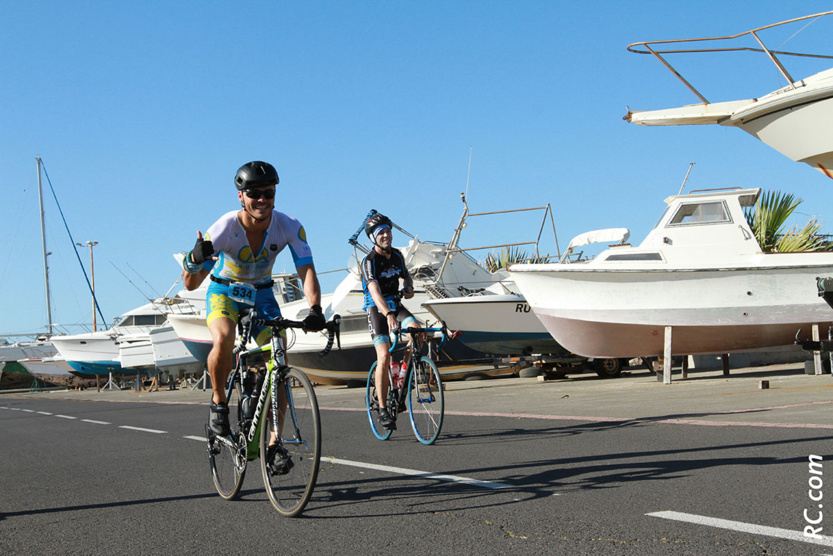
column 259, row 193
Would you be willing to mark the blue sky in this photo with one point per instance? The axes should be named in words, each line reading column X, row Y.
column 142, row 112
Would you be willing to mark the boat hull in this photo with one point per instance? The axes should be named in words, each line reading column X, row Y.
column 800, row 130
column 171, row 355
column 496, row 324
column 607, row 313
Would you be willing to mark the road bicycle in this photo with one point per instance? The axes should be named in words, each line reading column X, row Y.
column 274, row 417
column 421, row 390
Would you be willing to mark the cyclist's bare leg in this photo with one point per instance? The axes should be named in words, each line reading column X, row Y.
column 219, row 358
column 382, row 366
column 407, row 355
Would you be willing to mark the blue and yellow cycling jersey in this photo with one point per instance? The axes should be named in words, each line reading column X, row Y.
column 240, row 262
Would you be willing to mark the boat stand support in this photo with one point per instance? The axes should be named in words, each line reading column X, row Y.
column 666, row 357
column 111, row 385
column 202, row 381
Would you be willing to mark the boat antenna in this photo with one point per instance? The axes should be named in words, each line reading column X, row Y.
column 468, row 175
column 690, row 166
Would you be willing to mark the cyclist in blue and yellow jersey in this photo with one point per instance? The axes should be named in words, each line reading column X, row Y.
column 382, row 269
column 238, row 252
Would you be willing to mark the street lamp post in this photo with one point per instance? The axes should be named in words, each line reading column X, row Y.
column 91, row 244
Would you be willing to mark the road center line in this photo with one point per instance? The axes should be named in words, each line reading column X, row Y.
column 154, row 431
column 744, row 527
column 66, row 416
column 199, row 438
column 44, row 413
column 95, row 422
column 417, row 473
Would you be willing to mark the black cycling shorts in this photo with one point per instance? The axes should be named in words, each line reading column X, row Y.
column 378, row 324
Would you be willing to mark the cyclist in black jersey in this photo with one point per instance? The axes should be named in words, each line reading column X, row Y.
column 382, row 269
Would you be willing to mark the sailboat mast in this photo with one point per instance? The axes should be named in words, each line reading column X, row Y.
column 43, row 241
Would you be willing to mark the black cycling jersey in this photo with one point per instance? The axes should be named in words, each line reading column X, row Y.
column 384, row 271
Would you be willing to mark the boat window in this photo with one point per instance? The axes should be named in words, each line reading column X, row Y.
column 701, row 213
column 634, row 257
column 144, row 320
column 126, row 321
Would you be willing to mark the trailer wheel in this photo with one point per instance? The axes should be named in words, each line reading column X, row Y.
column 607, row 368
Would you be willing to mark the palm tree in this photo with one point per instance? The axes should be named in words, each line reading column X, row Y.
column 768, row 218
column 508, row 256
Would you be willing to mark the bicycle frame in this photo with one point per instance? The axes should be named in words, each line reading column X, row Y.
column 421, row 391
column 275, row 366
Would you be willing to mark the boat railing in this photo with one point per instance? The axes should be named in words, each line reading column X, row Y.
column 454, row 245
column 658, row 48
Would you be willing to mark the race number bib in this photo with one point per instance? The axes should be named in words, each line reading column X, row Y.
column 242, row 293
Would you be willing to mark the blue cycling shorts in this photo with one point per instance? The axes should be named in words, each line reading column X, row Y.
column 219, row 306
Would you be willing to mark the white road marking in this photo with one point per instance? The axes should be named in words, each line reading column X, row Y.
column 66, row 416
column 95, row 422
column 44, row 413
column 417, row 473
column 200, row 438
column 28, row 410
column 142, row 430
column 744, row 527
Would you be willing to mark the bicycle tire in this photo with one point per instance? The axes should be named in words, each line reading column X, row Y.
column 301, row 437
column 372, row 404
column 228, row 465
column 426, row 403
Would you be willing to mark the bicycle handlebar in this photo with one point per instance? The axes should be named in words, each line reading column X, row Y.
column 280, row 323
column 397, row 332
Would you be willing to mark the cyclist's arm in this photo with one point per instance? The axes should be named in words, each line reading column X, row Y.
column 193, row 281
column 381, row 304
column 408, row 282
column 312, row 288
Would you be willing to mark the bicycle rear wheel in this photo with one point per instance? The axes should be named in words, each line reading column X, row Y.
column 426, row 404
column 372, row 403
column 291, row 489
column 228, row 462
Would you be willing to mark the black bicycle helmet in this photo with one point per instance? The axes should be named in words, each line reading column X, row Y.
column 256, row 174
column 374, row 222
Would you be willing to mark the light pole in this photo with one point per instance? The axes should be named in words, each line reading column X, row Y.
column 91, row 244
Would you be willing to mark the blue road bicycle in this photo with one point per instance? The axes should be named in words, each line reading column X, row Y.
column 421, row 391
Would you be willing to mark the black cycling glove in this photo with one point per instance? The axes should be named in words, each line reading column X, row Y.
column 315, row 320
column 203, row 250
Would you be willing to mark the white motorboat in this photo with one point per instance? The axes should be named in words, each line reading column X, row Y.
column 101, row 352
column 494, row 319
column 795, row 120
column 170, row 354
column 700, row 271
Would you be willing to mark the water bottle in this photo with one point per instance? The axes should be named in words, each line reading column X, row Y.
column 397, row 373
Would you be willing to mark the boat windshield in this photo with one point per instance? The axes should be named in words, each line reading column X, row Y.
column 701, row 213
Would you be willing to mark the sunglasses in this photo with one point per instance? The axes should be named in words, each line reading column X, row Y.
column 259, row 193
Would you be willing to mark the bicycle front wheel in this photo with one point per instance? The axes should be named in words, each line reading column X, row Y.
column 227, row 459
column 291, row 474
column 426, row 404
column 372, row 403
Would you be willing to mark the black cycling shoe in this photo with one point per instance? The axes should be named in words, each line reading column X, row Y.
column 386, row 419
column 278, row 460
column 218, row 419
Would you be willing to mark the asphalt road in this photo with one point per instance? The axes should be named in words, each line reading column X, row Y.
column 120, row 473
